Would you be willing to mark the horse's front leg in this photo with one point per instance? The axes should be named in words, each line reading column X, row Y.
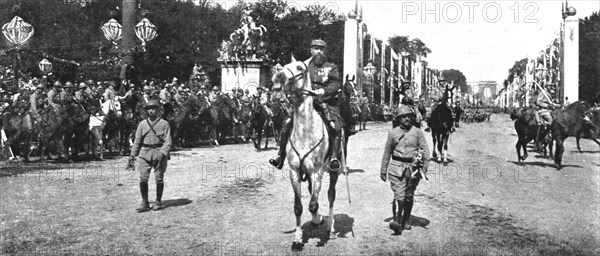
column 434, row 148
column 333, row 178
column 296, row 185
column 313, row 206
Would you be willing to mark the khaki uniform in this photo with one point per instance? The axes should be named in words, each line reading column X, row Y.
column 152, row 150
column 109, row 94
column 543, row 103
column 400, row 148
column 54, row 99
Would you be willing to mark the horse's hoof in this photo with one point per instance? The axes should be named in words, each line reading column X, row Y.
column 558, row 166
column 297, row 246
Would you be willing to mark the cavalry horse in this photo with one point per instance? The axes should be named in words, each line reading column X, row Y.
column 259, row 124
column 350, row 111
column 441, row 123
column 574, row 120
column 307, row 148
column 208, row 117
column 527, row 130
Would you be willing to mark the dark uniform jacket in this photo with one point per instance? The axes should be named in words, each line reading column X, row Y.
column 327, row 77
column 401, row 147
column 148, row 144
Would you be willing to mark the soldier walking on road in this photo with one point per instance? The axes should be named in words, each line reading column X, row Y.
column 151, row 147
column 405, row 145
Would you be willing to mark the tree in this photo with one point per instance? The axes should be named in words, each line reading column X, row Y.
column 589, row 58
column 458, row 77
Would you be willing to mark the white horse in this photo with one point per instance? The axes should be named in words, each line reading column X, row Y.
column 307, row 149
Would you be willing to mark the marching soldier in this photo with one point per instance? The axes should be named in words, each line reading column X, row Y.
column 403, row 145
column 326, row 84
column 151, row 151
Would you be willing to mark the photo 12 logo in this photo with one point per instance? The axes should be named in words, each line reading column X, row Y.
column 453, row 12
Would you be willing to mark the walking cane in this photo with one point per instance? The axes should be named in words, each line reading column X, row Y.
column 345, row 168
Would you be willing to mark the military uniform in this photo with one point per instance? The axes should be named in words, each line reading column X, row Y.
column 109, row 94
column 151, row 147
column 402, row 146
column 54, row 99
column 326, row 83
column 543, row 104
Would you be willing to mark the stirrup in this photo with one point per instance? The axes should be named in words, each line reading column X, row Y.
column 334, row 163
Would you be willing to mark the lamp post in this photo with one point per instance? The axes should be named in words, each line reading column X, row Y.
column 17, row 32
column 144, row 30
column 369, row 72
column 45, row 66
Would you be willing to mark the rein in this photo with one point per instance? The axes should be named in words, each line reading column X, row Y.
column 304, row 93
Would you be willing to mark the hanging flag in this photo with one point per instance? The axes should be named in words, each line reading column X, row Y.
column 393, row 54
column 374, row 42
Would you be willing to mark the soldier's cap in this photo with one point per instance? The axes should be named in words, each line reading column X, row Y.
column 215, row 88
column 403, row 110
column 318, row 42
column 82, row 85
column 152, row 104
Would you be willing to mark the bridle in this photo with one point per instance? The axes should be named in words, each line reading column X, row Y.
column 294, row 79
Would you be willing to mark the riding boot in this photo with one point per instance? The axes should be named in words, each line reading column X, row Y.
column 395, row 223
column 408, row 205
column 285, row 134
column 144, row 206
column 159, row 191
column 334, row 163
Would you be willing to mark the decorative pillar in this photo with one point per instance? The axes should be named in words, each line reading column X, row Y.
column 128, row 43
column 571, row 55
column 351, row 45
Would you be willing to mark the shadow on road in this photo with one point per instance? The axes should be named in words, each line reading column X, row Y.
column 343, row 225
column 414, row 221
column 543, row 164
column 176, row 202
column 584, row 151
column 355, row 170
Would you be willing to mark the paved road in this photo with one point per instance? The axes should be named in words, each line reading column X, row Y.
column 226, row 200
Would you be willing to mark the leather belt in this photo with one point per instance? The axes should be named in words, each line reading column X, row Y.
column 152, row 145
column 403, row 159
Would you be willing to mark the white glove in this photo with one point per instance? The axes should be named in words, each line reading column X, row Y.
column 320, row 92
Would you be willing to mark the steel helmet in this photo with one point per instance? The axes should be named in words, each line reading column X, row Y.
column 215, row 88
column 82, row 85
column 147, row 88
column 40, row 86
column 152, row 104
column 403, row 110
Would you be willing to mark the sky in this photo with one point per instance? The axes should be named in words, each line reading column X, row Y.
column 482, row 39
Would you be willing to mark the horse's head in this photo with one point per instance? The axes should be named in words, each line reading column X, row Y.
column 294, row 79
column 350, row 86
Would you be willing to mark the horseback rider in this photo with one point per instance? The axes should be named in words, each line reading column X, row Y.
column 213, row 95
column 147, row 93
column 544, row 104
column 263, row 99
column 80, row 95
column 35, row 103
column 326, row 84
column 110, row 92
column 54, row 99
column 278, row 97
column 66, row 95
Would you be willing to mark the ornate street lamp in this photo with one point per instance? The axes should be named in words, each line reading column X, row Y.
column 145, row 31
column 113, row 31
column 45, row 66
column 17, row 32
column 369, row 72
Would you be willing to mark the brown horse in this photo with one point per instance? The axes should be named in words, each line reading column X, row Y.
column 571, row 121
